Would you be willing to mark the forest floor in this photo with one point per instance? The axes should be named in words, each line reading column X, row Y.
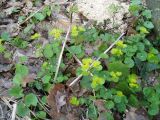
column 42, row 44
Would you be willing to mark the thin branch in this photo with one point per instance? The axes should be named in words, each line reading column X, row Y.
column 106, row 51
column 14, row 111
column 110, row 47
column 61, row 54
column 75, row 80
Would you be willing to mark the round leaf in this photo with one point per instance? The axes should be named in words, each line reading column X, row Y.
column 109, row 104
column 142, row 56
column 48, row 51
column 31, row 99
column 129, row 62
column 22, row 110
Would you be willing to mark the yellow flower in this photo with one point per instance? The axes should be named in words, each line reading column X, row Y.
column 118, row 74
column 119, row 93
column 132, row 78
column 35, row 36
column 74, row 31
column 120, row 44
column 96, row 64
column 81, row 29
column 133, row 85
column 97, row 81
column 87, row 61
column 116, row 51
column 56, row 33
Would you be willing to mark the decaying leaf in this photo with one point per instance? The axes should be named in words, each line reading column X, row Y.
column 28, row 79
column 100, row 105
column 56, row 99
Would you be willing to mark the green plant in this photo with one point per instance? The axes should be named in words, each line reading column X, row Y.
column 115, row 79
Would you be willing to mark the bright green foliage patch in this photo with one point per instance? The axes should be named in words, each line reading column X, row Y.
column 114, row 83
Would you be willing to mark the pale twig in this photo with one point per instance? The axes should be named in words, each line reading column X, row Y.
column 110, row 47
column 75, row 80
column 4, row 99
column 61, row 54
column 14, row 111
column 106, row 51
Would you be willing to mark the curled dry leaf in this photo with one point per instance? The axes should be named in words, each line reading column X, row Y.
column 100, row 105
column 56, row 99
column 28, row 79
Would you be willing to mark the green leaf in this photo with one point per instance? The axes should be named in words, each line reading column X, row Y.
column 117, row 99
column 46, row 79
column 121, row 107
column 76, row 49
column 143, row 30
column 129, row 62
column 17, row 79
column 48, row 51
column 47, row 87
column 153, row 109
column 133, row 101
column 148, row 91
column 22, row 70
column 86, row 82
column 31, row 99
column 92, row 112
column 142, row 56
column 147, row 14
column 22, row 110
column 44, row 99
column 16, row 91
column 39, row 16
column 109, row 104
column 140, row 46
column 41, row 114
column 28, row 28
column 5, row 36
column 148, row 25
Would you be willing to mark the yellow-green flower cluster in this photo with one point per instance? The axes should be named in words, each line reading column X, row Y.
column 120, row 93
column 120, row 44
column 56, row 33
column 118, row 50
column 96, row 81
column 74, row 101
column 132, row 79
column 35, row 36
column 152, row 58
column 115, row 76
column 89, row 63
column 76, row 29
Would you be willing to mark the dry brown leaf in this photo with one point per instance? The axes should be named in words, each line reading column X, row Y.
column 56, row 99
column 100, row 105
column 28, row 79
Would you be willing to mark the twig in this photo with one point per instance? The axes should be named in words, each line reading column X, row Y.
column 14, row 111
column 61, row 54
column 110, row 47
column 106, row 51
column 75, row 80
